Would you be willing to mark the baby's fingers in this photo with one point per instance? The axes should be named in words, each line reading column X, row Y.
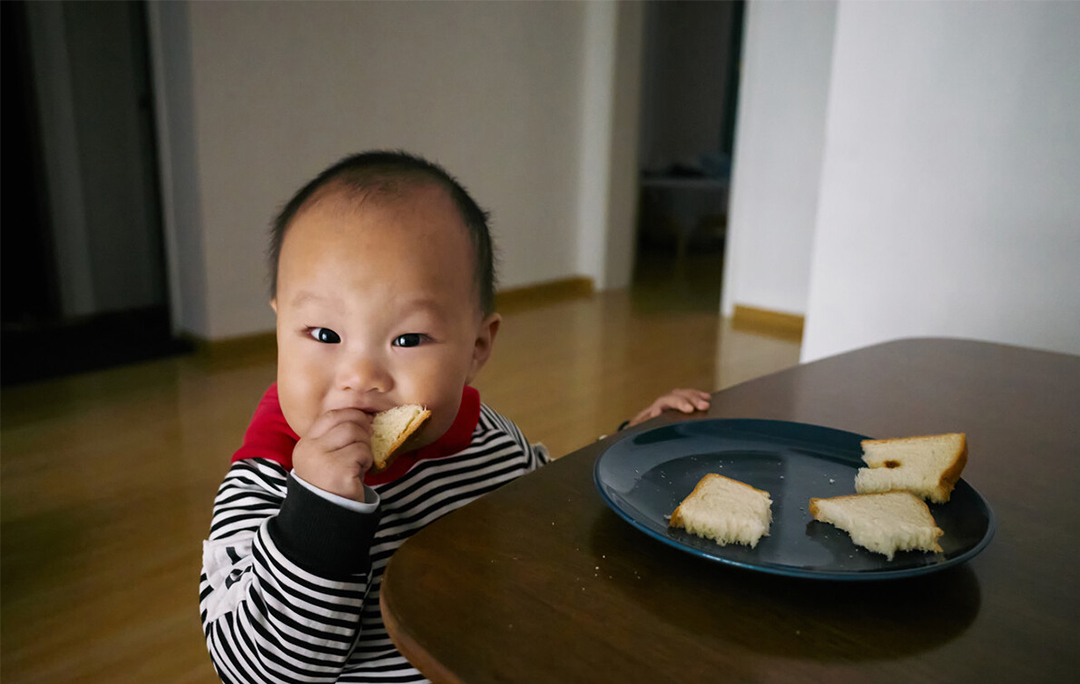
column 651, row 412
column 330, row 420
column 344, row 435
column 696, row 398
column 677, row 403
column 684, row 400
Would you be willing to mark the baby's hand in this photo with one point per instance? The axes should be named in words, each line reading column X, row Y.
column 335, row 454
column 685, row 400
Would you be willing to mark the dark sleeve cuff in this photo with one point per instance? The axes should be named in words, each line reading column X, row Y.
column 322, row 537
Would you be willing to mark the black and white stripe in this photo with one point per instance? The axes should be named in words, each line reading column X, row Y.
column 267, row 619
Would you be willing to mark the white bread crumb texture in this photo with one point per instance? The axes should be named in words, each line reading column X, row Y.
column 884, row 522
column 726, row 511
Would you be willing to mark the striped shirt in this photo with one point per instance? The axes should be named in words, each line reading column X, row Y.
column 289, row 590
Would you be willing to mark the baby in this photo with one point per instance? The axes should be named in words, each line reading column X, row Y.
column 384, row 287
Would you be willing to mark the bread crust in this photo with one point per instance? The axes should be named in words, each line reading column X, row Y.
column 379, row 465
column 950, row 476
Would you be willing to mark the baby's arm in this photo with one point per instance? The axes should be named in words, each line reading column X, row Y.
column 285, row 577
column 685, row 400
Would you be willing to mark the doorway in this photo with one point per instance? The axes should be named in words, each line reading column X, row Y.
column 690, row 81
column 83, row 264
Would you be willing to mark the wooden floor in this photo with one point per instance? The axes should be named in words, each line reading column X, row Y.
column 108, row 477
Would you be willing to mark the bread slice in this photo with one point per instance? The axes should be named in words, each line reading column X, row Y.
column 885, row 523
column 726, row 511
column 926, row 466
column 389, row 431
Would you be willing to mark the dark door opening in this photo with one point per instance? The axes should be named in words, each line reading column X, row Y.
column 83, row 263
column 690, row 73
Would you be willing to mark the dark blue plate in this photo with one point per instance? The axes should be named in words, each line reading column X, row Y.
column 643, row 478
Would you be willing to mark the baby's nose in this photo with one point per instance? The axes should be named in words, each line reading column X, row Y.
column 364, row 374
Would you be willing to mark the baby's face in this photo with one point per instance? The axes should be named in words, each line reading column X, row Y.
column 377, row 306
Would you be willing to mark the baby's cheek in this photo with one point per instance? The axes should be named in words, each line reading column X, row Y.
column 435, row 382
column 294, row 416
column 443, row 414
column 299, row 402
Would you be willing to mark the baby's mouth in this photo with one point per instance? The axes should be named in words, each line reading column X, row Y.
column 366, row 408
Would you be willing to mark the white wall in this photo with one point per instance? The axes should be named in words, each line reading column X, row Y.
column 594, row 141
column 280, row 90
column 170, row 45
column 950, row 194
column 787, row 52
column 607, row 143
column 622, row 170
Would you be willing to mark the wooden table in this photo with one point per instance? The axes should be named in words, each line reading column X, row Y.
column 541, row 582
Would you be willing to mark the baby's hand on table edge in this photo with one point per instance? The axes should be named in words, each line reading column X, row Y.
column 685, row 400
column 335, row 454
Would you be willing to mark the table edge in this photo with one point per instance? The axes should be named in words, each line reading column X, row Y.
column 417, row 656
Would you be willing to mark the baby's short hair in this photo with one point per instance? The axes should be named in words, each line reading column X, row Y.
column 393, row 173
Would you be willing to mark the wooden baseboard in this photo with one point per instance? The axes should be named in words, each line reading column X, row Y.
column 530, row 296
column 231, row 347
column 765, row 322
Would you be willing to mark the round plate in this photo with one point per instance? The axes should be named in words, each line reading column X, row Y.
column 643, row 478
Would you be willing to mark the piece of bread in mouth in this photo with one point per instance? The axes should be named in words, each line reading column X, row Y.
column 390, row 429
column 885, row 522
column 726, row 511
column 927, row 466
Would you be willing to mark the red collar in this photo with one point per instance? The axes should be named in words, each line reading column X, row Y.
column 269, row 436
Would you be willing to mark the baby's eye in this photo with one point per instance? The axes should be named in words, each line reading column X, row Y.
column 409, row 340
column 325, row 335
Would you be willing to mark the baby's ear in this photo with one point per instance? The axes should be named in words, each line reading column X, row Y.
column 273, row 305
column 485, row 340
